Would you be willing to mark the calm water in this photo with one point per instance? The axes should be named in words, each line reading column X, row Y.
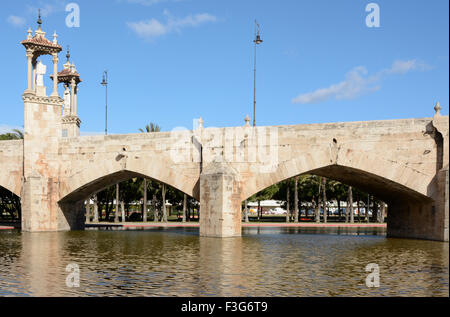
column 264, row 262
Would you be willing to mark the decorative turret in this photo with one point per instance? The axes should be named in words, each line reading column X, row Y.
column 70, row 78
column 37, row 45
column 68, row 73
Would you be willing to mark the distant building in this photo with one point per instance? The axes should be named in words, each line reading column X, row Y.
column 266, row 205
column 277, row 207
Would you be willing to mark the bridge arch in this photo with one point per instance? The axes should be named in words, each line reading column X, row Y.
column 11, row 165
column 99, row 176
column 12, row 182
column 387, row 179
column 14, row 186
column 10, row 204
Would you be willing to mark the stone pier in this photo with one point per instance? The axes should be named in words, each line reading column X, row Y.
column 220, row 201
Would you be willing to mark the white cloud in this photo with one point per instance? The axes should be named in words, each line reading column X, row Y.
column 357, row 82
column 16, row 20
column 153, row 28
column 149, row 28
column 47, row 8
column 402, row 67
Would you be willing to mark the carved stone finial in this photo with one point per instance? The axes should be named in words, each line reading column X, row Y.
column 55, row 38
column 39, row 21
column 68, row 54
column 437, row 108
column 200, row 123
column 39, row 32
column 29, row 33
column 247, row 121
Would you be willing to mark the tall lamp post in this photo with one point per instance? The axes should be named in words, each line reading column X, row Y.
column 104, row 83
column 257, row 41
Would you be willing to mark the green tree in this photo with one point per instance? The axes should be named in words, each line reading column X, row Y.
column 153, row 187
column 16, row 134
column 309, row 191
column 152, row 127
column 337, row 191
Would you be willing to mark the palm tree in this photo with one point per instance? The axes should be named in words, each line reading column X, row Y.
column 350, row 204
column 16, row 134
column 319, row 202
column 152, row 127
column 287, row 203
column 164, row 215
column 184, row 207
column 155, row 210
column 324, row 199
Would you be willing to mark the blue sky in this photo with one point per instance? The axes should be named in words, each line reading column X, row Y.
column 170, row 61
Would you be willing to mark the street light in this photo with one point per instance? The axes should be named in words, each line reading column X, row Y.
column 104, row 83
column 257, row 41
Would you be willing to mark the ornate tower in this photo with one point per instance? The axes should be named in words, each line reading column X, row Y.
column 42, row 137
column 70, row 78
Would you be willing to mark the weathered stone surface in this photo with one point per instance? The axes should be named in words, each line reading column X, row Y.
column 220, row 211
column 11, row 165
column 404, row 162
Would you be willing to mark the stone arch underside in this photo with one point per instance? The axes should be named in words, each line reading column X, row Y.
column 11, row 165
column 387, row 179
column 3, row 187
column 97, row 177
column 13, row 184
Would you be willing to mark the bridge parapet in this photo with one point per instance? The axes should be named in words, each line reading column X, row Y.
column 90, row 161
column 393, row 159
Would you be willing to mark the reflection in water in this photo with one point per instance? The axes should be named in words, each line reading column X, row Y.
column 40, row 257
column 264, row 262
column 221, row 269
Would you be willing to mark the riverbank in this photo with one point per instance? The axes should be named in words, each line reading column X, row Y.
column 6, row 228
column 140, row 225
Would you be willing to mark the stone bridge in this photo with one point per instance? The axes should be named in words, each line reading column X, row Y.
column 54, row 170
column 403, row 162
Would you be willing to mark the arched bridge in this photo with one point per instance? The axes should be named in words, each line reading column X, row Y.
column 403, row 162
column 53, row 170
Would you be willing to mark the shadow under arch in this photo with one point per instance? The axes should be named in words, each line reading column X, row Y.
column 384, row 189
column 386, row 178
column 12, row 182
column 11, row 204
column 95, row 185
column 412, row 214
